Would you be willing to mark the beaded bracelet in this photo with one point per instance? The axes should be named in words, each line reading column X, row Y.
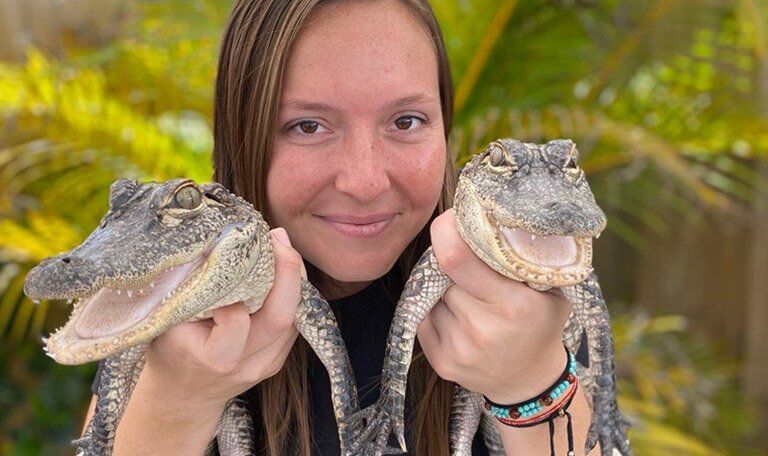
column 531, row 410
column 534, row 406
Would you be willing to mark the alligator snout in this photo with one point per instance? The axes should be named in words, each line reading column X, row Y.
column 568, row 218
column 63, row 276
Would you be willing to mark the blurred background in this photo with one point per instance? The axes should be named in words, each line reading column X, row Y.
column 666, row 99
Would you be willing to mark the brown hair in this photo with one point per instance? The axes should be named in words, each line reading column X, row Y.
column 255, row 49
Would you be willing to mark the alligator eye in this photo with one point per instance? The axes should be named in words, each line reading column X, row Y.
column 496, row 156
column 499, row 160
column 188, row 197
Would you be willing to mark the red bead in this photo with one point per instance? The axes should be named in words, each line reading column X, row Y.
column 546, row 400
column 514, row 414
column 571, row 378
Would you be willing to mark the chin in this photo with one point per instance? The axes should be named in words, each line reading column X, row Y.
column 343, row 268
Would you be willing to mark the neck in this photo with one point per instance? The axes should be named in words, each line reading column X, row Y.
column 332, row 289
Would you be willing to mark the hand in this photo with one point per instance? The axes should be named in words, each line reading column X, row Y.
column 489, row 333
column 213, row 360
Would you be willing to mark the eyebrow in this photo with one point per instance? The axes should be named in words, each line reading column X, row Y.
column 324, row 107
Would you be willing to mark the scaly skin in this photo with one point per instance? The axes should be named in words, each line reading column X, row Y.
column 608, row 426
column 167, row 253
column 509, row 193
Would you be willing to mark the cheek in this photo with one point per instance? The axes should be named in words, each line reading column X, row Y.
column 291, row 180
column 422, row 174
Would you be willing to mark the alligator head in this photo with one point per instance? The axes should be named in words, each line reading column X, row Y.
column 164, row 253
column 528, row 212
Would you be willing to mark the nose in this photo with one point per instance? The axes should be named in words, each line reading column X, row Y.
column 363, row 172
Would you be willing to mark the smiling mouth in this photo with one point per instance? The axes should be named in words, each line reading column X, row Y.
column 352, row 228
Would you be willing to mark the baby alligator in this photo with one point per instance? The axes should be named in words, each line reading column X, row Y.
column 525, row 210
column 166, row 253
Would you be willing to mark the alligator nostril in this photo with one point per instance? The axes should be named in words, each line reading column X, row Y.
column 561, row 205
column 65, row 259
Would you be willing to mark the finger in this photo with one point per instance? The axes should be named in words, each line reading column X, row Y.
column 268, row 361
column 442, row 318
column 461, row 304
column 461, row 264
column 429, row 340
column 222, row 345
column 276, row 315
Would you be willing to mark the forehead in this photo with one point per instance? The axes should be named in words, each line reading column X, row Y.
column 357, row 52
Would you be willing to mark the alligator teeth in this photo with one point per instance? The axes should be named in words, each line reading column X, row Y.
column 533, row 237
column 152, row 284
column 129, row 293
column 36, row 301
column 598, row 235
column 118, row 291
column 69, row 301
column 141, row 290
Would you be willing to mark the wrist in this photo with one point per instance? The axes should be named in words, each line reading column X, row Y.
column 177, row 399
column 542, row 373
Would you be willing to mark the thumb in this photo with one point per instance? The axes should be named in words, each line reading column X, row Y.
column 276, row 315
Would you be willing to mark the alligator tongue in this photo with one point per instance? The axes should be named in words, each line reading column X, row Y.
column 107, row 313
column 541, row 250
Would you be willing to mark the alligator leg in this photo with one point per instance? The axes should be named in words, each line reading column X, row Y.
column 608, row 425
column 466, row 411
column 116, row 383
column 118, row 378
column 234, row 432
column 491, row 435
column 424, row 288
column 317, row 324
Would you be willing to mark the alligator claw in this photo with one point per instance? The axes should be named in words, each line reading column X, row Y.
column 381, row 419
column 610, row 429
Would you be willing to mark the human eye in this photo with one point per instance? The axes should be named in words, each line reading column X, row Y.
column 409, row 122
column 306, row 127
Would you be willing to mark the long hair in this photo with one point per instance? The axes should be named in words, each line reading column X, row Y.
column 255, row 50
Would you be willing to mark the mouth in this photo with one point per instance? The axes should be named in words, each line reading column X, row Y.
column 362, row 227
column 541, row 258
column 114, row 310
column 118, row 316
column 543, row 250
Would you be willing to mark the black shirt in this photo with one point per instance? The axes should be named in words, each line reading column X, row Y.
column 364, row 319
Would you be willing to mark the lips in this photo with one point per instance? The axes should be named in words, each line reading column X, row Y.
column 359, row 219
column 359, row 225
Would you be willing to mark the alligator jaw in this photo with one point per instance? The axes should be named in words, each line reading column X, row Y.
column 114, row 316
column 538, row 258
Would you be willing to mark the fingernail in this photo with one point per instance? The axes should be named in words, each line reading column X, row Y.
column 281, row 236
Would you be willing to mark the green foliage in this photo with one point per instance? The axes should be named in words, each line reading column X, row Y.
column 42, row 402
column 667, row 125
column 679, row 390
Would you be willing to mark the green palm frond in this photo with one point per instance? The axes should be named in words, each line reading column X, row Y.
column 73, row 107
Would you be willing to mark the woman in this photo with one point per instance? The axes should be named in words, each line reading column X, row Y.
column 331, row 117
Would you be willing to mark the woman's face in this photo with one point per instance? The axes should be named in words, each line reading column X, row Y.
column 359, row 156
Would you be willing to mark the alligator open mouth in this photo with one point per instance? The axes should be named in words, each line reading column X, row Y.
column 542, row 258
column 114, row 310
column 541, row 249
column 120, row 315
